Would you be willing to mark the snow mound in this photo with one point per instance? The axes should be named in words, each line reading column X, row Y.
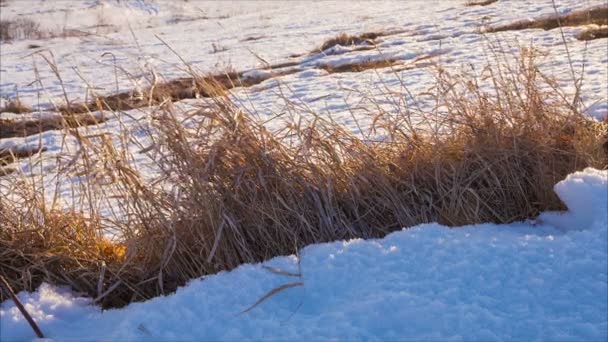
column 585, row 195
column 523, row 281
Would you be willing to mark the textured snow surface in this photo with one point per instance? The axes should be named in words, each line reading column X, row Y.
column 523, row 281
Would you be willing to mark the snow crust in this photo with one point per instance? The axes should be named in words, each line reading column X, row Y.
column 543, row 280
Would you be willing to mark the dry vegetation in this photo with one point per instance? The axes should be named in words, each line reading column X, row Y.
column 23, row 28
column 480, row 2
column 344, row 39
column 15, row 106
column 20, row 28
column 8, row 156
column 242, row 193
column 359, row 66
column 21, row 128
column 596, row 15
column 591, row 33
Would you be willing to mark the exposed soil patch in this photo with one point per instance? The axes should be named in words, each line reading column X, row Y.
column 594, row 15
column 359, row 66
column 480, row 3
column 23, row 128
column 593, row 33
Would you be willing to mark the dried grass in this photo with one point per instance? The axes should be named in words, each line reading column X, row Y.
column 480, row 2
column 21, row 28
column 242, row 193
column 15, row 106
column 344, row 39
column 595, row 15
column 359, row 66
column 591, row 33
column 25, row 127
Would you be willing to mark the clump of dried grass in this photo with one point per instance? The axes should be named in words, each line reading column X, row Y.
column 471, row 3
column 39, row 244
column 21, row 28
column 345, row 39
column 597, row 15
column 595, row 32
column 242, row 193
column 359, row 66
column 15, row 106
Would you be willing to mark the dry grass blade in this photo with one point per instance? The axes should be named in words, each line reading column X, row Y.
column 4, row 284
column 281, row 272
column 272, row 293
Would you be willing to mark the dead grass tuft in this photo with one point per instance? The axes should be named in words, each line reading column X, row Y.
column 359, row 66
column 58, row 247
column 471, row 3
column 21, row 28
column 21, row 128
column 344, row 39
column 8, row 156
column 596, row 32
column 595, row 15
column 15, row 106
column 174, row 90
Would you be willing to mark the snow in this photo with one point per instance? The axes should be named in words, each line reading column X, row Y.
column 523, row 281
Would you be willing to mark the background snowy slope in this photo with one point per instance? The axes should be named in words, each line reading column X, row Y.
column 214, row 36
column 524, row 281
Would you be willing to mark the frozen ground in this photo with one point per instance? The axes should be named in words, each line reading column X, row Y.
column 543, row 280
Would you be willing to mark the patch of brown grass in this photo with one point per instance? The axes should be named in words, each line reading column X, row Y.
column 8, row 156
column 175, row 90
column 58, row 247
column 471, row 3
column 21, row 28
column 15, row 106
column 21, row 128
column 595, row 15
column 344, row 39
column 242, row 193
column 593, row 33
column 359, row 65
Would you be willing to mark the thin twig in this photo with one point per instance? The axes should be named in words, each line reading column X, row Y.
column 21, row 308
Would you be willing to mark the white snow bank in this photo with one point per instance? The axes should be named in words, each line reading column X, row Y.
column 522, row 281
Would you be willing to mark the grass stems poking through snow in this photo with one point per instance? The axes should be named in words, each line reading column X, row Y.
column 232, row 191
column 344, row 39
column 21, row 28
column 597, row 15
column 471, row 3
column 594, row 32
column 15, row 106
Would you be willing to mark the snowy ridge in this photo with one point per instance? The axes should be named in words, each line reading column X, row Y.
column 524, row 281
